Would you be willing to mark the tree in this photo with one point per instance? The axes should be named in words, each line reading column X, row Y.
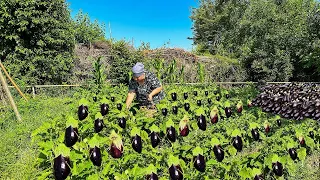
column 123, row 59
column 274, row 40
column 87, row 31
column 37, row 39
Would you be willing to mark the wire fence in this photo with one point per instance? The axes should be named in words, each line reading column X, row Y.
column 64, row 89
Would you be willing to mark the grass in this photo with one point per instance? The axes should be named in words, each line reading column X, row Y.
column 18, row 154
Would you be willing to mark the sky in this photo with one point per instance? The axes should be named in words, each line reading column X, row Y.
column 156, row 22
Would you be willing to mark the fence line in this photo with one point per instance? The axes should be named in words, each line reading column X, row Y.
column 79, row 85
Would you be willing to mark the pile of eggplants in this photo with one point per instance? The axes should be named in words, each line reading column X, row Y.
column 291, row 101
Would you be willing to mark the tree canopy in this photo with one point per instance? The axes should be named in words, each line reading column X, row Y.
column 275, row 40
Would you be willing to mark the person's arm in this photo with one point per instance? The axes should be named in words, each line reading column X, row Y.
column 156, row 91
column 130, row 98
column 158, row 87
column 131, row 93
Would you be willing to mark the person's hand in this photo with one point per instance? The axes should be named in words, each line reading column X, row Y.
column 150, row 97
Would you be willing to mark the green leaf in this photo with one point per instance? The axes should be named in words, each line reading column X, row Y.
column 196, row 151
column 121, row 114
column 107, row 168
column 253, row 125
column 83, row 102
column 135, row 131
column 44, row 175
column 215, row 141
column 290, row 145
column 227, row 104
column 151, row 169
column 211, row 162
column 63, row 150
column 154, row 128
column 200, row 111
column 74, row 155
column 232, row 151
column 275, row 158
column 244, row 173
column 236, row 132
column 169, row 123
column 302, row 153
column 98, row 116
column 255, row 172
column 309, row 141
column 72, row 122
column 173, row 160
column 94, row 141
column 105, row 101
column 94, row 177
column 47, row 145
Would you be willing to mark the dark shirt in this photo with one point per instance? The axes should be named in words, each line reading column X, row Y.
column 142, row 91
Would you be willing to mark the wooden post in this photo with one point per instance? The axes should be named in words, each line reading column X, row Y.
column 13, row 83
column 33, row 91
column 6, row 89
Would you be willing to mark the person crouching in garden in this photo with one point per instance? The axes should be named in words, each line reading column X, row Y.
column 145, row 86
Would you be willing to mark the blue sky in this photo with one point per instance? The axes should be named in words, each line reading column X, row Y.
column 156, row 22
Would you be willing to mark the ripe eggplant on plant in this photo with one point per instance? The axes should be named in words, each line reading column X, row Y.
column 184, row 131
column 214, row 119
column 183, row 126
column 71, row 136
column 202, row 123
column 82, row 112
column 61, row 167
column 122, row 122
column 218, row 98
column 195, row 93
column 199, row 102
column 137, row 143
column 258, row 177
column 98, row 125
column 214, row 115
column 164, row 111
column 199, row 163
column 152, row 176
column 311, row 134
column 95, row 156
column 119, row 106
column 104, row 109
column 94, row 98
column 186, row 106
column 279, row 122
column 175, row 109
column 301, row 141
column 112, row 99
column 116, row 148
column 255, row 134
column 209, row 101
column 171, row 134
column 155, row 140
column 267, row 128
column 228, row 112
column 277, row 168
column 237, row 143
column 293, row 153
column 218, row 152
column 185, row 96
column 206, row 93
column 175, row 172
column 174, row 96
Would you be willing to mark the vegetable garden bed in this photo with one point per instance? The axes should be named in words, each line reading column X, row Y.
column 197, row 133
